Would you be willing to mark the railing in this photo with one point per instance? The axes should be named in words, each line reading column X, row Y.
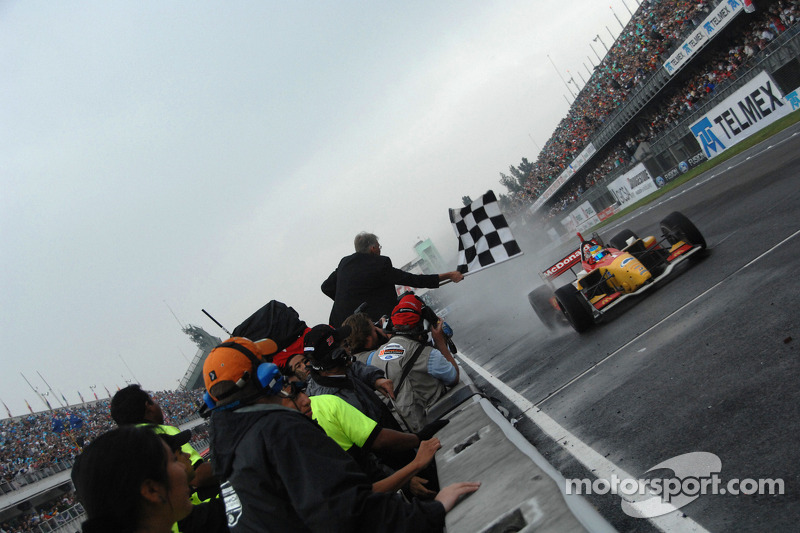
column 20, row 480
column 66, row 521
column 200, row 445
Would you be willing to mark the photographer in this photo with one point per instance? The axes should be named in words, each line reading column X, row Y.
column 420, row 373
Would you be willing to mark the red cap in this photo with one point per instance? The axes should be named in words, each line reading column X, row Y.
column 408, row 312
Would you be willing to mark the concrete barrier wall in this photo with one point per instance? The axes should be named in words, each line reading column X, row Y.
column 520, row 490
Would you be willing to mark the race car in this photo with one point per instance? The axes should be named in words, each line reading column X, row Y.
column 610, row 274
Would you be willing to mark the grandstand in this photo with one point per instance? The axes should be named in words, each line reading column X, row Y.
column 639, row 102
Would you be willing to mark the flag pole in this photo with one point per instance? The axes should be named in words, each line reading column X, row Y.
column 7, row 410
column 39, row 394
column 217, row 323
column 50, row 389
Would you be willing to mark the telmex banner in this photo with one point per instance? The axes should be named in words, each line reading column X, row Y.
column 632, row 186
column 714, row 22
column 755, row 105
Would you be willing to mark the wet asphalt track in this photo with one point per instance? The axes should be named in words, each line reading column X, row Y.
column 708, row 362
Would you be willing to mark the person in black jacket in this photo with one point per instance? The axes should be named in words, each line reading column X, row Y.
column 282, row 473
column 367, row 276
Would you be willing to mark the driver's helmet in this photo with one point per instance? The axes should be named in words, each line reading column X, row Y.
column 597, row 252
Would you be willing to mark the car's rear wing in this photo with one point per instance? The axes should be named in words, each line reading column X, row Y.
column 563, row 265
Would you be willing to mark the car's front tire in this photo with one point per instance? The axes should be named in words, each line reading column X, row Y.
column 676, row 227
column 620, row 240
column 539, row 299
column 574, row 307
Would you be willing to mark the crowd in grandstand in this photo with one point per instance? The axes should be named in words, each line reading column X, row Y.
column 643, row 46
column 35, row 442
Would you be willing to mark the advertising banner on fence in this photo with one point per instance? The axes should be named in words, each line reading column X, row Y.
column 588, row 210
column 606, row 213
column 757, row 104
column 632, row 186
column 711, row 26
column 682, row 168
column 583, row 217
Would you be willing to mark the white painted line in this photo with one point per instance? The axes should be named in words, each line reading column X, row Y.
column 657, row 324
column 588, row 457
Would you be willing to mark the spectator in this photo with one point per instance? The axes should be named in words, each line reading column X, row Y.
column 282, row 473
column 128, row 480
column 355, row 382
column 364, row 336
column 30, row 445
column 132, row 405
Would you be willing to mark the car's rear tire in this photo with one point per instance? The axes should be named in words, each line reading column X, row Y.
column 620, row 240
column 676, row 227
column 539, row 299
column 574, row 306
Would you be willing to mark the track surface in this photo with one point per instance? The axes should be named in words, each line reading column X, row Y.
column 708, row 362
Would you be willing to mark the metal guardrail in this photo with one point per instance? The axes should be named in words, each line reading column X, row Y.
column 67, row 521
column 32, row 477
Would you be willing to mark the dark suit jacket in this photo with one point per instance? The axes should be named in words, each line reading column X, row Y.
column 369, row 278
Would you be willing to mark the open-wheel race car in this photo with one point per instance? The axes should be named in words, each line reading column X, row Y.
column 611, row 273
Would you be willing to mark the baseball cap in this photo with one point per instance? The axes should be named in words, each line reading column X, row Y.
column 408, row 312
column 177, row 440
column 323, row 339
column 233, row 360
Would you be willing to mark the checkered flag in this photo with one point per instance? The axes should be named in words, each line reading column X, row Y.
column 484, row 237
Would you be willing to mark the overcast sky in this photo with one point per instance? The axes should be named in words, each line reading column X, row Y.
column 218, row 155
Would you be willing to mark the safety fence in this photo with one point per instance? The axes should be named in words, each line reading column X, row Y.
column 66, row 521
column 26, row 478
